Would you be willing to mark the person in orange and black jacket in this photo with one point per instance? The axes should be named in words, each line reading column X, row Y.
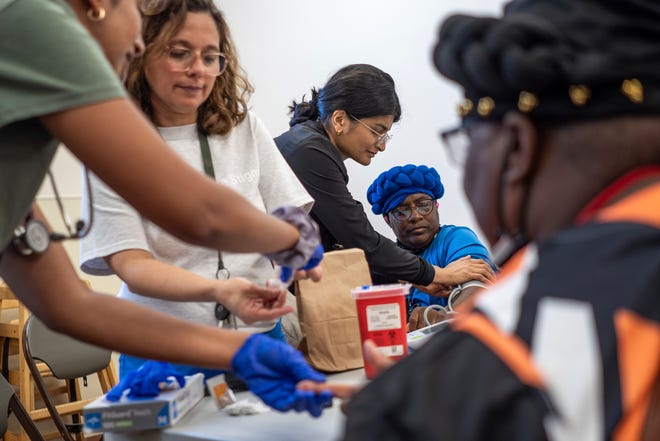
column 561, row 147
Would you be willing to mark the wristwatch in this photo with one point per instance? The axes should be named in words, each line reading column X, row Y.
column 31, row 237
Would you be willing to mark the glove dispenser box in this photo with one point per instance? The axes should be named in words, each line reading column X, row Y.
column 134, row 414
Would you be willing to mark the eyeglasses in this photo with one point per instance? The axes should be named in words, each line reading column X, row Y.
column 182, row 59
column 456, row 142
column 382, row 137
column 423, row 207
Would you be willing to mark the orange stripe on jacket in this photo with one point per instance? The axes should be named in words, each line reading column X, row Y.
column 513, row 264
column 638, row 342
column 509, row 348
column 641, row 207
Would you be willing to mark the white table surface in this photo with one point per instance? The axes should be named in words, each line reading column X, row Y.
column 206, row 422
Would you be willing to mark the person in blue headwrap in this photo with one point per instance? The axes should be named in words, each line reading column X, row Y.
column 350, row 118
column 407, row 198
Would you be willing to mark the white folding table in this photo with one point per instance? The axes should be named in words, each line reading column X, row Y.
column 206, row 423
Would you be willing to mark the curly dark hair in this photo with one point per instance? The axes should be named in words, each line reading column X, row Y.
column 226, row 106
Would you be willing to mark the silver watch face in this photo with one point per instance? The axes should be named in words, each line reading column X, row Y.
column 36, row 236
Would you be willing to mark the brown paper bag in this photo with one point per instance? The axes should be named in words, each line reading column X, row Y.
column 327, row 312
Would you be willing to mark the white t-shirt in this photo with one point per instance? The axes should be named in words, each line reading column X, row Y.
column 246, row 160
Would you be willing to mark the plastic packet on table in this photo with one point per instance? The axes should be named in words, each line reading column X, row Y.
column 220, row 391
column 246, row 407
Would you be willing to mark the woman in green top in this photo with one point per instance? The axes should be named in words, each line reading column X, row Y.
column 59, row 83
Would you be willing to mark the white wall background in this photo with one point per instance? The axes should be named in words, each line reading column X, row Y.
column 288, row 46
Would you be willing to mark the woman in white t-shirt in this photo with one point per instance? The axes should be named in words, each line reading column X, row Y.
column 59, row 85
column 190, row 85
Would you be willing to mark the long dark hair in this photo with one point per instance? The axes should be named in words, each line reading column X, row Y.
column 226, row 106
column 361, row 90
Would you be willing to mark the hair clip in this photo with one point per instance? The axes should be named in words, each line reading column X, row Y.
column 527, row 101
column 579, row 94
column 633, row 90
column 485, row 106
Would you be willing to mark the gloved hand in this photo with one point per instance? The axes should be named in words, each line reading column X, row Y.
column 272, row 369
column 299, row 256
column 146, row 381
column 286, row 273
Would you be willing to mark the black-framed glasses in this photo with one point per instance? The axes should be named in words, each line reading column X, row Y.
column 404, row 213
column 381, row 139
column 456, row 142
column 181, row 59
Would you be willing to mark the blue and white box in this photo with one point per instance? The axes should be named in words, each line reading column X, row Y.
column 127, row 415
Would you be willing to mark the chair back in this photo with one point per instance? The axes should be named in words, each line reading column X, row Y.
column 9, row 403
column 66, row 357
column 6, row 393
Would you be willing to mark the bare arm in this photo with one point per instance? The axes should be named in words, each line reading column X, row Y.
column 48, row 285
column 459, row 271
column 115, row 141
column 149, row 277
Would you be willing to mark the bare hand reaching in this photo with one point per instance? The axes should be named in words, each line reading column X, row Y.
column 250, row 302
column 459, row 271
column 345, row 391
column 313, row 274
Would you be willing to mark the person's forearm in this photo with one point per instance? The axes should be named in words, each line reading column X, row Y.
column 132, row 329
column 50, row 288
column 387, row 259
column 149, row 277
column 463, row 270
column 121, row 147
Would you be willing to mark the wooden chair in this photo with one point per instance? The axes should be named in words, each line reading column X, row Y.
column 70, row 360
column 13, row 318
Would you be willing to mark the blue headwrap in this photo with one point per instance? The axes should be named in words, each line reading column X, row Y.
column 393, row 186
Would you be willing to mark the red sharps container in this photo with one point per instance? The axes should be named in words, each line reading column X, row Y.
column 381, row 313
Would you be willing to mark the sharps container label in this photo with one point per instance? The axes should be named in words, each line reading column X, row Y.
column 381, row 317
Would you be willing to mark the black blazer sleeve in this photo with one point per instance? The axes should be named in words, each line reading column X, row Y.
column 344, row 218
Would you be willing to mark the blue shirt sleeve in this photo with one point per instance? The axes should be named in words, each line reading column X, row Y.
column 450, row 244
column 459, row 242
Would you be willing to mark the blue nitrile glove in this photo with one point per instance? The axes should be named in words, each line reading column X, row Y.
column 304, row 249
column 272, row 369
column 286, row 273
column 145, row 382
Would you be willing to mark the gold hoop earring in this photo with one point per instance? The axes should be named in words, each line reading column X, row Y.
column 96, row 14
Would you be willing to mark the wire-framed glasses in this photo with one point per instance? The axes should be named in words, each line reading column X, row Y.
column 181, row 59
column 404, row 213
column 456, row 142
column 381, row 139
